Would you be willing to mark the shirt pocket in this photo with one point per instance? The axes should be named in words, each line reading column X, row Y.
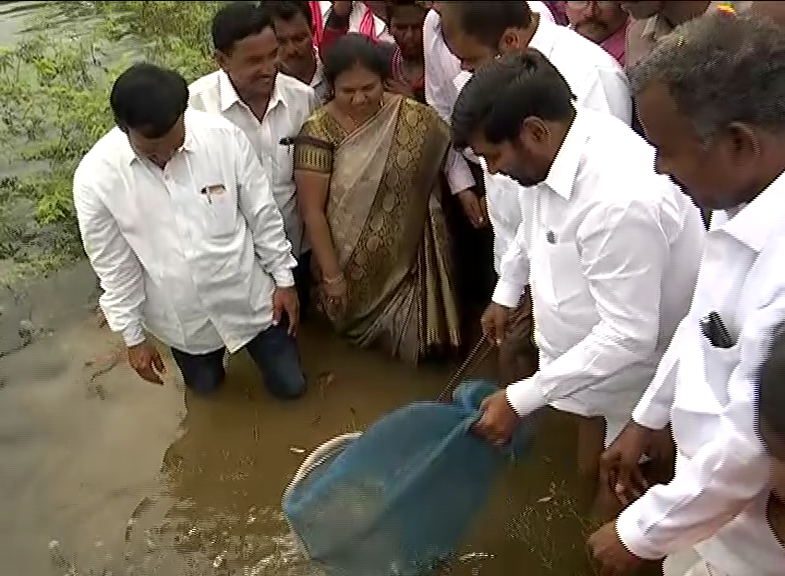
column 702, row 397
column 557, row 274
column 220, row 203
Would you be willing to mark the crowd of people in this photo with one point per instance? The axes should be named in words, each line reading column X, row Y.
column 590, row 186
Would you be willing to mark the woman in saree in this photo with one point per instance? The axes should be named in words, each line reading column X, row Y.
column 367, row 167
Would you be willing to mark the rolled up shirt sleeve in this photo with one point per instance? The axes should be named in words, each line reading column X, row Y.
column 112, row 259
column 263, row 216
column 623, row 253
column 720, row 480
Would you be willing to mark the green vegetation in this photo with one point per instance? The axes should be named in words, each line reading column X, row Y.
column 54, row 89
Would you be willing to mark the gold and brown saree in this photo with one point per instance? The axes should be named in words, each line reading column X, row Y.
column 385, row 217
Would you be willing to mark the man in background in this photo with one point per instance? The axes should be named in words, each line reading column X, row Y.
column 270, row 108
column 602, row 22
column 652, row 19
column 299, row 57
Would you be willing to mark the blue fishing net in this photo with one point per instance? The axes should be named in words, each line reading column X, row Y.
column 397, row 499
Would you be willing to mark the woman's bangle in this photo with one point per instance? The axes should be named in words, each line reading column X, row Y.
column 334, row 280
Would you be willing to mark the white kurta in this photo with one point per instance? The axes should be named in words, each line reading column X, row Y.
column 611, row 250
column 291, row 103
column 193, row 252
column 717, row 499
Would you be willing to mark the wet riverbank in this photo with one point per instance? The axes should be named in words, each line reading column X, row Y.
column 104, row 473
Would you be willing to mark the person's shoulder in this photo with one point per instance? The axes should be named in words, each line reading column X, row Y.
column 619, row 160
column 295, row 92
column 432, row 20
column 213, row 128
column 412, row 105
column 582, row 52
column 109, row 154
column 291, row 86
column 205, row 83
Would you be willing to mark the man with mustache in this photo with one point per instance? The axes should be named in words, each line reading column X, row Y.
column 293, row 22
column 270, row 108
column 610, row 248
column 602, row 22
column 711, row 99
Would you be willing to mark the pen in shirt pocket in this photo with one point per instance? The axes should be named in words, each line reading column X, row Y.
column 205, row 192
column 714, row 330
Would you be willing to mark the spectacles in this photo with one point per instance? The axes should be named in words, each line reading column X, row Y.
column 583, row 4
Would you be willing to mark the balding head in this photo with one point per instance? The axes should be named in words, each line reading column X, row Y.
column 773, row 10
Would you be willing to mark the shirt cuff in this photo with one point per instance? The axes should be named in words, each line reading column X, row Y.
column 283, row 278
column 630, row 534
column 652, row 416
column 459, row 176
column 525, row 396
column 133, row 335
column 507, row 293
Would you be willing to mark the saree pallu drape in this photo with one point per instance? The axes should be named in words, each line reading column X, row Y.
column 385, row 216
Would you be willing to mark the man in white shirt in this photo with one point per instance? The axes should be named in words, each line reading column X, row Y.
column 442, row 68
column 293, row 23
column 443, row 79
column 270, row 108
column 179, row 222
column 478, row 31
column 711, row 99
column 610, row 247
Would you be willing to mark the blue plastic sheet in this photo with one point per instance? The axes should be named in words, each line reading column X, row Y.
column 397, row 499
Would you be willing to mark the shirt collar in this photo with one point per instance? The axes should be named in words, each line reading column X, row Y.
column 564, row 170
column 755, row 222
column 188, row 143
column 544, row 38
column 228, row 95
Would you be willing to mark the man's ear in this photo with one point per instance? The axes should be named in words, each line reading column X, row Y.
column 533, row 130
column 509, row 41
column 220, row 58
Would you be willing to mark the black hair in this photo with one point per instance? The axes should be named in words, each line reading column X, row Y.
column 391, row 6
column 504, row 92
column 351, row 50
column 288, row 10
column 771, row 386
column 148, row 99
column 236, row 21
column 487, row 21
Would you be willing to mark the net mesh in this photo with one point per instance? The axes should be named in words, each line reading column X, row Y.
column 397, row 499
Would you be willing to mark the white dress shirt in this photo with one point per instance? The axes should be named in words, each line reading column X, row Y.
column 192, row 252
column 598, row 83
column 614, row 251
column 718, row 496
column 291, row 103
column 595, row 77
column 442, row 86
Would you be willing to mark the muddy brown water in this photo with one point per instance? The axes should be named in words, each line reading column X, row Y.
column 104, row 474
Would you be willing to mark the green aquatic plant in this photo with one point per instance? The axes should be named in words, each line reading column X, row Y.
column 54, row 87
